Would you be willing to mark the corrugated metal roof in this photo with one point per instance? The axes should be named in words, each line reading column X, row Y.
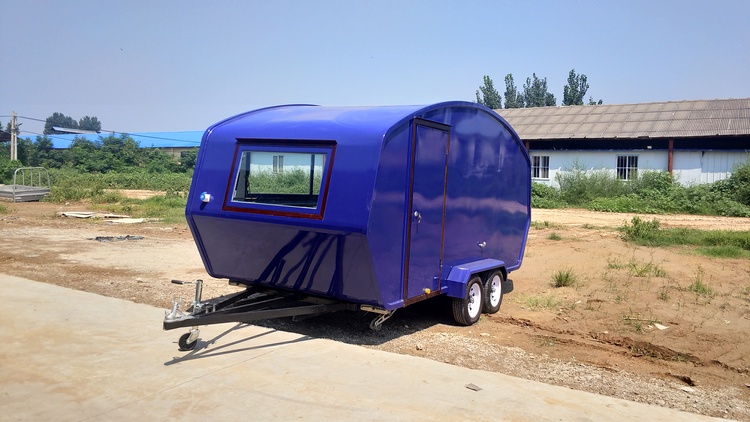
column 671, row 119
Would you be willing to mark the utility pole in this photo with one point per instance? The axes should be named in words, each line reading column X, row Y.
column 13, row 137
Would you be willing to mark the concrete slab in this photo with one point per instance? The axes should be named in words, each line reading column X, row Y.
column 74, row 356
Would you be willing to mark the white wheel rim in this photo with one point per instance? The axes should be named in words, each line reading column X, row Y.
column 495, row 290
column 475, row 300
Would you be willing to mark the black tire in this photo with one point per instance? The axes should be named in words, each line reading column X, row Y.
column 493, row 291
column 466, row 311
column 183, row 342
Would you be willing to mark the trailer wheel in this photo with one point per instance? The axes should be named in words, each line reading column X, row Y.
column 184, row 344
column 493, row 292
column 466, row 311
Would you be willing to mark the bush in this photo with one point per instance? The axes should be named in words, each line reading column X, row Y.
column 739, row 183
column 543, row 196
column 70, row 185
column 653, row 192
column 579, row 188
column 641, row 230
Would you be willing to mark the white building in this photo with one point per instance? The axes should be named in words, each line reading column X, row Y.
column 697, row 141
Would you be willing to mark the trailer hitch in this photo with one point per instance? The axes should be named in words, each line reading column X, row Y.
column 189, row 340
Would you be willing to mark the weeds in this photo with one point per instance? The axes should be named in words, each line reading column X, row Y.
column 554, row 236
column 645, row 269
column 169, row 208
column 745, row 293
column 652, row 192
column 700, row 288
column 548, row 301
column 636, row 321
column 69, row 185
column 3, row 209
column 541, row 225
column 663, row 294
column 614, row 264
column 564, row 278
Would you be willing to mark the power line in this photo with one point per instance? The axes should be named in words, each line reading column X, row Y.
column 110, row 131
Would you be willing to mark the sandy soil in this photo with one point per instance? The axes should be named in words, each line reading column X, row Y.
column 630, row 328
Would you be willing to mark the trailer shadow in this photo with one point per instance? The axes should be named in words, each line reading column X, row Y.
column 354, row 327
column 344, row 326
column 202, row 351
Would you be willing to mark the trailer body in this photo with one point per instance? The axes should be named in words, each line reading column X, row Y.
column 378, row 206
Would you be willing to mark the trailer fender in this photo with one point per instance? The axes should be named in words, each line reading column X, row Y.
column 456, row 276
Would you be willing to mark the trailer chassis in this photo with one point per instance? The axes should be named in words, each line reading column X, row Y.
column 253, row 304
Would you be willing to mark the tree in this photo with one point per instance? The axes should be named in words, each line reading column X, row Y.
column 489, row 95
column 84, row 156
column 575, row 90
column 592, row 102
column 90, row 123
column 513, row 99
column 59, row 120
column 44, row 155
column 535, row 93
column 188, row 159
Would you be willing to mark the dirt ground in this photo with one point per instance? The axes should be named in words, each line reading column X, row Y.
column 664, row 326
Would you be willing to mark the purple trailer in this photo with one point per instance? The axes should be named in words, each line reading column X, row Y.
column 319, row 209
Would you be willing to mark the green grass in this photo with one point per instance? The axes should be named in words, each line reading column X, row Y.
column 723, row 252
column 715, row 243
column 3, row 209
column 548, row 301
column 564, row 278
column 168, row 208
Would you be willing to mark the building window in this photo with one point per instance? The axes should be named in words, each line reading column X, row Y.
column 278, row 163
column 540, row 166
column 627, row 167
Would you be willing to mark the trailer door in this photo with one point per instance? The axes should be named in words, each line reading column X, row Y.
column 430, row 145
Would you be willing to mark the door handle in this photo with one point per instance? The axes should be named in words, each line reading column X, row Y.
column 418, row 216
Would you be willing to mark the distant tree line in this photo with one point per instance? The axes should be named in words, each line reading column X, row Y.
column 59, row 120
column 535, row 92
column 110, row 153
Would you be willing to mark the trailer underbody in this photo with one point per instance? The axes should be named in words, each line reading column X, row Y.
column 255, row 303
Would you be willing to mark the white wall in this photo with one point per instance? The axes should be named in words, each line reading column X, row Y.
column 689, row 167
column 560, row 161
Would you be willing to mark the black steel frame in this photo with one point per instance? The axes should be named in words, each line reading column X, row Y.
column 254, row 304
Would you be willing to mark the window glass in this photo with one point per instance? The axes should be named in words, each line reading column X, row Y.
column 540, row 166
column 285, row 178
column 627, row 167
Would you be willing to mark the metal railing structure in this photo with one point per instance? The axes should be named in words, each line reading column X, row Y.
column 29, row 184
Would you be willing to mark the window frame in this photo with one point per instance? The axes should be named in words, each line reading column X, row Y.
column 537, row 167
column 279, row 147
column 626, row 167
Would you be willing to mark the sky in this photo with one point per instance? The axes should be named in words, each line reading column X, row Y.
column 179, row 65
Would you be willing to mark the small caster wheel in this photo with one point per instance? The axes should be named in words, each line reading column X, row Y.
column 376, row 324
column 185, row 343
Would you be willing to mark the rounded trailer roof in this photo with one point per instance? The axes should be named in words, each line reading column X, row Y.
column 305, row 121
